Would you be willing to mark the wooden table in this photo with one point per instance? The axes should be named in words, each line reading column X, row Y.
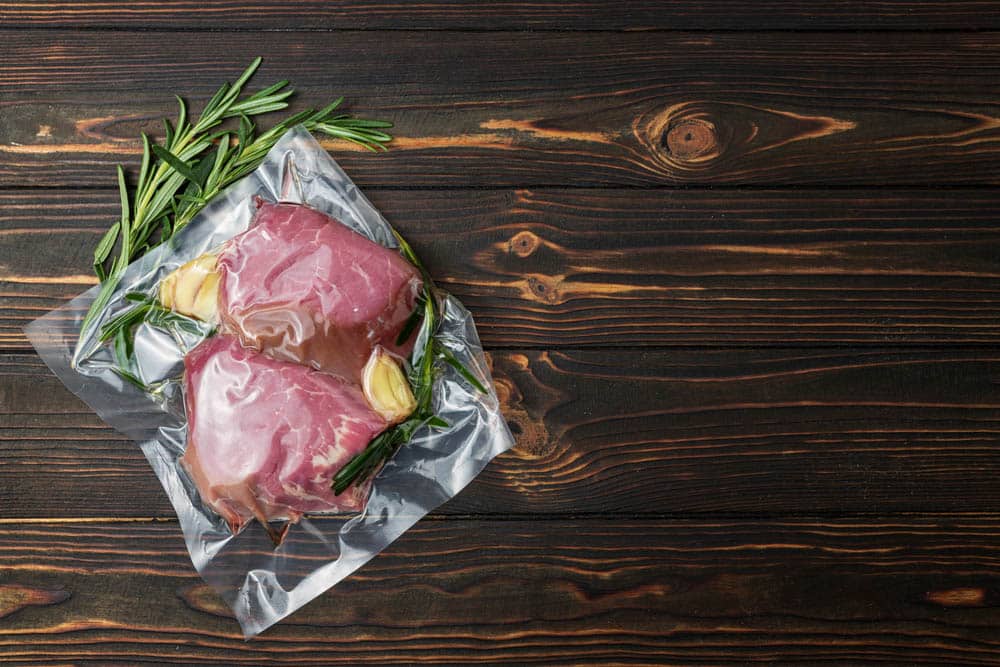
column 738, row 266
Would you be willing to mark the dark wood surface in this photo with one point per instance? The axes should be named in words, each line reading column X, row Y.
column 539, row 591
column 592, row 15
column 737, row 267
column 746, row 431
column 629, row 268
column 524, row 109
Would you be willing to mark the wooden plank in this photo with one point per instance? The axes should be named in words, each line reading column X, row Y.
column 739, row 432
column 907, row 591
column 505, row 15
column 576, row 268
column 637, row 108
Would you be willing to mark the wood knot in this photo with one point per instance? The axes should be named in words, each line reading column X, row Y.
column 692, row 139
column 543, row 288
column 531, row 439
column 530, row 433
column 684, row 137
column 687, row 139
column 523, row 243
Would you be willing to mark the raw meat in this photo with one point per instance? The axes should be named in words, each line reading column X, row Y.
column 302, row 287
column 266, row 437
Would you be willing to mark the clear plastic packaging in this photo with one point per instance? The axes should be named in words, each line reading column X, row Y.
column 263, row 583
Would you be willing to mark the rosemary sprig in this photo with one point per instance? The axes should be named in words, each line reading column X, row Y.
column 421, row 377
column 384, row 445
column 196, row 161
column 203, row 159
column 446, row 355
column 119, row 330
column 148, row 310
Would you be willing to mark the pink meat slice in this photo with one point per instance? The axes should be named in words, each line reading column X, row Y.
column 266, row 437
column 302, row 287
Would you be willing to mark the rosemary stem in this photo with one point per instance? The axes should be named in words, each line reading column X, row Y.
column 159, row 199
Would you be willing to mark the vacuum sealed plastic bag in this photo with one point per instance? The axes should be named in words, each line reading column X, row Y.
column 269, row 356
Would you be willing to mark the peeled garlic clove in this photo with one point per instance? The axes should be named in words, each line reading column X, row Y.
column 206, row 301
column 193, row 289
column 167, row 290
column 386, row 388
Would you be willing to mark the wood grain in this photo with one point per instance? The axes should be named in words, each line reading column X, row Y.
column 907, row 591
column 14, row 598
column 505, row 15
column 625, row 432
column 754, row 424
column 636, row 108
column 575, row 268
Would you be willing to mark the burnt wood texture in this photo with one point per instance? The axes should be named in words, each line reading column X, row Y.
column 565, row 108
column 531, row 592
column 737, row 268
column 593, row 15
column 550, row 268
column 633, row 433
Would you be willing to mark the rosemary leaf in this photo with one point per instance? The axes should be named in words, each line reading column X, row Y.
column 107, row 242
column 176, row 163
column 270, row 90
column 333, row 106
column 129, row 377
column 247, row 73
column 125, row 320
column 182, row 115
column 123, row 191
column 449, row 358
column 245, row 131
column 191, row 199
column 168, row 130
column 121, row 348
column 203, row 171
column 144, row 169
column 214, row 102
column 411, row 322
column 264, row 106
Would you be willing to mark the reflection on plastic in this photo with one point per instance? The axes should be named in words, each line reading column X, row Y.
column 261, row 583
column 266, row 437
column 276, row 292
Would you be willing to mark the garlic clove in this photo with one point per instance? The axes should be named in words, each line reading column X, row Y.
column 193, row 289
column 206, row 301
column 386, row 388
column 167, row 290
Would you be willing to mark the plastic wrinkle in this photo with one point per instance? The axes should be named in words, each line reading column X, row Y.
column 305, row 290
column 269, row 446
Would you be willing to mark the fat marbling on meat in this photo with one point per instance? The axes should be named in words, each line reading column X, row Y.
column 266, row 437
column 302, row 287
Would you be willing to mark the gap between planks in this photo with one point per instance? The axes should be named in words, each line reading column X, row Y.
column 584, row 516
column 536, row 187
